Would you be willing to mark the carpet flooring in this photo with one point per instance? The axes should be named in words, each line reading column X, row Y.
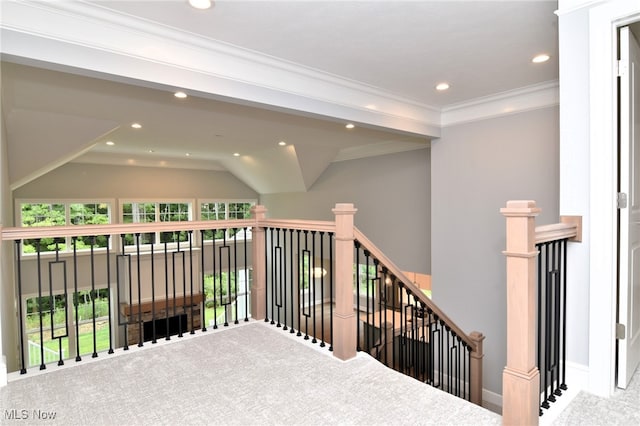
column 623, row 408
column 248, row 374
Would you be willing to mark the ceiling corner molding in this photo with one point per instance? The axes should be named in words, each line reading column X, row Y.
column 506, row 103
column 570, row 6
column 92, row 39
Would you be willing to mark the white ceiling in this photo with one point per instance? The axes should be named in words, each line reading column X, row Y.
column 395, row 50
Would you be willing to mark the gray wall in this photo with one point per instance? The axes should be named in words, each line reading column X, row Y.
column 7, row 297
column 476, row 167
column 392, row 194
column 75, row 180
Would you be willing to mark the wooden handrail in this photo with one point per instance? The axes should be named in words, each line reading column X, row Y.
column 19, row 233
column 26, row 233
column 570, row 228
column 305, row 225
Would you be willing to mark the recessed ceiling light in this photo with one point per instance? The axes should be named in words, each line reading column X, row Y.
column 282, row 143
column 350, row 126
column 180, row 95
column 110, row 143
column 188, row 154
column 236, row 154
column 200, row 4
column 136, row 125
column 540, row 58
column 151, row 151
column 442, row 86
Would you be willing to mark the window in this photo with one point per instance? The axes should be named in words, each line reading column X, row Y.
column 61, row 214
column 226, row 296
column 50, row 325
column 151, row 212
column 226, row 210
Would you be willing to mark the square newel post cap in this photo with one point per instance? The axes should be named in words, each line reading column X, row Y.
column 344, row 208
column 520, row 208
column 259, row 211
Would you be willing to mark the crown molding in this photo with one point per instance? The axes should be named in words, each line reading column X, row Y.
column 570, row 6
column 92, row 39
column 537, row 96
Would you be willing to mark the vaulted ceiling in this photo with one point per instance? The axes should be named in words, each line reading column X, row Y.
column 77, row 74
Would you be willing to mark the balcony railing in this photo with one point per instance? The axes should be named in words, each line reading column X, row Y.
column 302, row 276
column 536, row 311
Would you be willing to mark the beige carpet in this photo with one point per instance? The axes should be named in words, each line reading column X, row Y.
column 246, row 374
column 622, row 409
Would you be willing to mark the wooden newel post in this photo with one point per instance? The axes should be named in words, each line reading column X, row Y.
column 259, row 281
column 344, row 317
column 520, row 378
column 476, row 368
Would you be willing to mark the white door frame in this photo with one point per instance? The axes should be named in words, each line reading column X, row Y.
column 604, row 19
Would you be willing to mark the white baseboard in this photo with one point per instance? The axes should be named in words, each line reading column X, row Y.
column 3, row 371
column 492, row 401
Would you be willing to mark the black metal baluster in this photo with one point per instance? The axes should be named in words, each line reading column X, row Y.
column 548, row 327
column 109, row 313
column 284, row 282
column 403, row 329
column 465, row 378
column 546, row 316
column 448, row 353
column 166, row 290
column 294, row 297
column 306, row 254
column 563, row 385
column 57, row 261
column 40, row 306
column 119, row 278
column 175, row 307
column 215, row 299
column 393, row 315
column 266, row 275
column 93, row 298
column 235, row 272
column 276, row 270
column 273, row 285
column 312, row 284
column 322, row 272
column 140, row 324
column 74, row 241
column 190, row 236
column 246, row 279
column 331, row 290
column 300, row 296
column 184, row 288
column 557, row 316
column 226, row 303
column 153, row 298
column 203, row 314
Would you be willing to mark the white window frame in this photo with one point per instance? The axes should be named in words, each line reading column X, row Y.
column 247, row 235
column 146, row 246
column 67, row 202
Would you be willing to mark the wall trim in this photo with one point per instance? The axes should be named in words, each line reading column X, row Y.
column 527, row 98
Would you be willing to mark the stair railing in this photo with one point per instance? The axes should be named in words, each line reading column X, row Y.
column 407, row 331
column 535, row 331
